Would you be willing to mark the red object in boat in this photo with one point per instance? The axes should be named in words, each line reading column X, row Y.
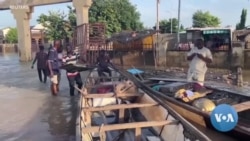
column 104, row 89
column 197, row 86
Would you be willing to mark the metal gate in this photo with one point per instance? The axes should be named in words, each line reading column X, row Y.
column 88, row 39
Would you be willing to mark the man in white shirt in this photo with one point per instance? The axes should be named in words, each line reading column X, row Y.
column 199, row 56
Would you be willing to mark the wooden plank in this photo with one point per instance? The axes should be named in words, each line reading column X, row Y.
column 189, row 115
column 121, row 115
column 107, row 95
column 154, row 113
column 166, row 79
column 153, row 138
column 123, row 126
column 137, row 134
column 242, row 106
column 118, row 106
column 102, row 84
column 105, row 77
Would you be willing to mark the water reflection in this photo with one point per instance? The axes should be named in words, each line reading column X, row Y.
column 56, row 119
column 61, row 116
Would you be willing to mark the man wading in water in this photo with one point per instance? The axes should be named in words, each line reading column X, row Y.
column 72, row 75
column 54, row 70
column 41, row 58
column 199, row 57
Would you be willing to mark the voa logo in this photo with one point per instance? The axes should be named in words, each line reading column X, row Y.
column 224, row 118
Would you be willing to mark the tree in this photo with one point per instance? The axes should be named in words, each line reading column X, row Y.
column 57, row 27
column 165, row 26
column 205, row 19
column 11, row 36
column 117, row 15
column 182, row 28
column 71, row 19
column 243, row 19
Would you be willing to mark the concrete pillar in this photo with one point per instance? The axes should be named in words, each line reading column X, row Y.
column 82, row 17
column 37, row 43
column 82, row 10
column 22, row 17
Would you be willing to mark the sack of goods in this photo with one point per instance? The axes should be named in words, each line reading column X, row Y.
column 188, row 95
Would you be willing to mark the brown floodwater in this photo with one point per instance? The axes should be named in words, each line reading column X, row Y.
column 28, row 111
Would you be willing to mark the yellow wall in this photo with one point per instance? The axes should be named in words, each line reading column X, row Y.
column 148, row 42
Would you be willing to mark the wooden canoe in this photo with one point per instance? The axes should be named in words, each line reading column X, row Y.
column 219, row 95
column 115, row 109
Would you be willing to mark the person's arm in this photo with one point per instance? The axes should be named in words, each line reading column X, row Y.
column 208, row 58
column 64, row 60
column 50, row 60
column 34, row 61
column 50, row 68
column 191, row 55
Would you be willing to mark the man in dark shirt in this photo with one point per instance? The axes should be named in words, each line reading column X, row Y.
column 72, row 75
column 54, row 70
column 41, row 58
column 103, row 62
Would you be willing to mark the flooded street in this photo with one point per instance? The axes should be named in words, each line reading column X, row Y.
column 28, row 111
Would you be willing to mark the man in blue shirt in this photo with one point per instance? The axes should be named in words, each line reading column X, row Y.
column 54, row 69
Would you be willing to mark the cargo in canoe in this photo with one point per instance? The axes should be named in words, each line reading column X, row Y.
column 198, row 110
column 115, row 109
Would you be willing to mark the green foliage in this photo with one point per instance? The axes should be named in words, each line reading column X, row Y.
column 165, row 26
column 57, row 27
column 71, row 19
column 12, row 36
column 205, row 19
column 243, row 19
column 117, row 15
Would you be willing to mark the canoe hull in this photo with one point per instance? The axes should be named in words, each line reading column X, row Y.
column 160, row 122
column 201, row 118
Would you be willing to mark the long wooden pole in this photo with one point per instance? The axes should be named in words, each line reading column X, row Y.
column 179, row 13
column 157, row 34
column 157, row 15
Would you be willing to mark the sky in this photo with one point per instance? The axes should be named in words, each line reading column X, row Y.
column 228, row 11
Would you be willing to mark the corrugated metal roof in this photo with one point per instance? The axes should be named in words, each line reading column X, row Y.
column 209, row 28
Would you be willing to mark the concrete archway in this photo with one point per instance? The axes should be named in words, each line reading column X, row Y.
column 22, row 11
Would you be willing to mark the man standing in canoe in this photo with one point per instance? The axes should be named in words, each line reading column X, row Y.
column 103, row 62
column 54, row 69
column 199, row 57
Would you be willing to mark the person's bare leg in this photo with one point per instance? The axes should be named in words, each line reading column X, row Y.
column 57, row 87
column 53, row 88
column 59, row 79
column 54, row 83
